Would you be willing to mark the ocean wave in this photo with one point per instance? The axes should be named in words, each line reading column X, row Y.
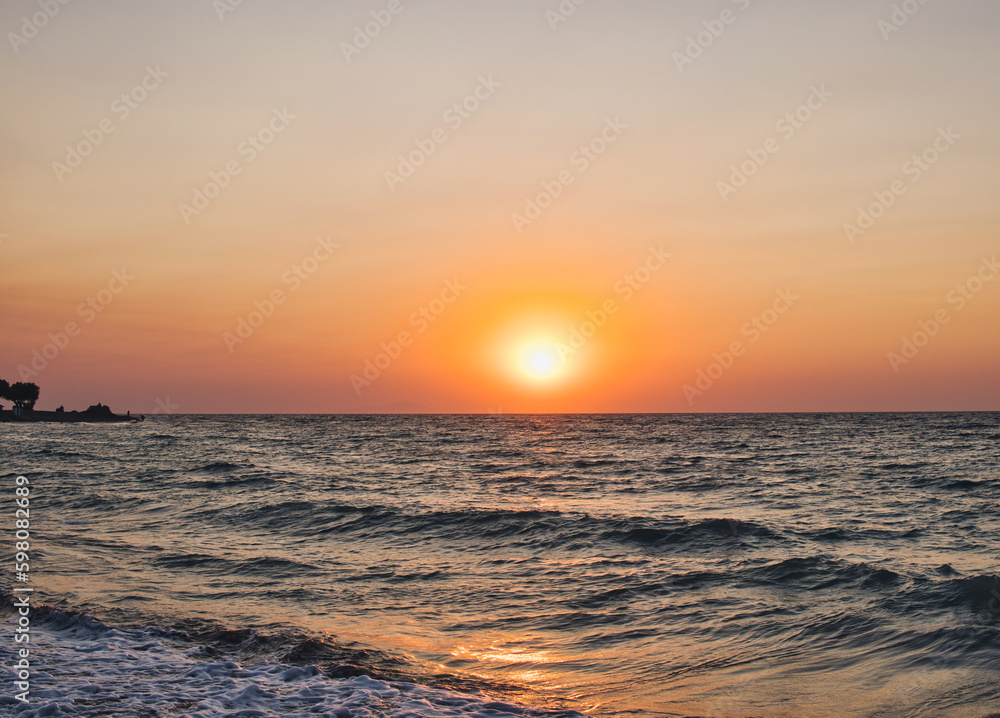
column 150, row 670
column 967, row 484
column 220, row 466
column 979, row 594
column 971, row 600
column 654, row 533
column 205, row 563
column 486, row 525
column 246, row 481
column 820, row 572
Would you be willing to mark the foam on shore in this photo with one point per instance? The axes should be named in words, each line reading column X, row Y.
column 81, row 667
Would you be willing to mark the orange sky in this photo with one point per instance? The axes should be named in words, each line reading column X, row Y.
column 494, row 180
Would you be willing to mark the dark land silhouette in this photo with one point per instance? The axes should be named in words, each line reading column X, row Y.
column 24, row 396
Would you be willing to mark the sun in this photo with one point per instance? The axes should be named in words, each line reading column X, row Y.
column 541, row 360
column 533, row 348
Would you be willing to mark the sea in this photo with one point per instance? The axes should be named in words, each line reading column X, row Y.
column 725, row 566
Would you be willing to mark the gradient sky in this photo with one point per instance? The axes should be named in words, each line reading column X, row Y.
column 882, row 93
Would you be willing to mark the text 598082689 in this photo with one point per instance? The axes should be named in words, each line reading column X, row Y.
column 22, row 594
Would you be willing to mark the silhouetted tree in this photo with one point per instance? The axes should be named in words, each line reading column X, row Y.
column 4, row 388
column 23, row 394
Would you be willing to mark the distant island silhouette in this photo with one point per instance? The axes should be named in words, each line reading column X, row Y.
column 24, row 395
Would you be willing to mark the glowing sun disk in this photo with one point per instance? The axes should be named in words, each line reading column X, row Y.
column 540, row 360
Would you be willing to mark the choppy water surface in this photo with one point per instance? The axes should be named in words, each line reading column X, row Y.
column 727, row 565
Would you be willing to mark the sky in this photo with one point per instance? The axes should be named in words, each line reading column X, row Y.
column 501, row 206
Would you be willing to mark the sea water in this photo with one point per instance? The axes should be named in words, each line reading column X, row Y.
column 669, row 565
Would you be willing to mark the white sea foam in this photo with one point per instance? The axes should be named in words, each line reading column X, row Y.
column 82, row 668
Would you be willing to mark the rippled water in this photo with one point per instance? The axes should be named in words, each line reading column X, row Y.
column 711, row 565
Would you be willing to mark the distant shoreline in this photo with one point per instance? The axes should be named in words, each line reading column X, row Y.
column 65, row 417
